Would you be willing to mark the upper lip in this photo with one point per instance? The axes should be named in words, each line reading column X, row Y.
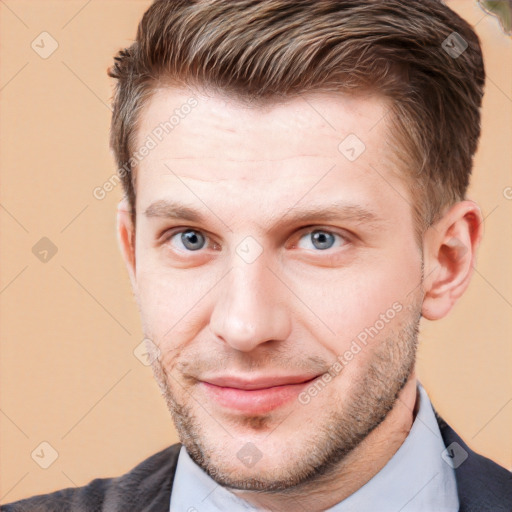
column 257, row 382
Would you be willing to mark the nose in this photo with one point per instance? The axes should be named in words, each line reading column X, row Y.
column 250, row 307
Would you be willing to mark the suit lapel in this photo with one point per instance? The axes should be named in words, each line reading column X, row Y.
column 482, row 485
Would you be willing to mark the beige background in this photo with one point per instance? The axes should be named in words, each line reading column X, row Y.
column 69, row 326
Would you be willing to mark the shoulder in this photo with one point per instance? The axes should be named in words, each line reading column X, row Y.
column 482, row 484
column 145, row 487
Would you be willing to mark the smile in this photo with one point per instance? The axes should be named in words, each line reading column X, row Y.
column 257, row 396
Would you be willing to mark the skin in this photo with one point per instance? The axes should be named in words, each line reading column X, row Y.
column 298, row 305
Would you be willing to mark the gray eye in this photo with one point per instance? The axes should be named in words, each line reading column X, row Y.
column 321, row 239
column 192, row 240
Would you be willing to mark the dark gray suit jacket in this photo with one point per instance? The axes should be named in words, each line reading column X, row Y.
column 483, row 486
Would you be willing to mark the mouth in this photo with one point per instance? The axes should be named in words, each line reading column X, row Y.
column 257, row 395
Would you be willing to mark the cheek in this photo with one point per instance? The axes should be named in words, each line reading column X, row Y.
column 370, row 299
column 173, row 303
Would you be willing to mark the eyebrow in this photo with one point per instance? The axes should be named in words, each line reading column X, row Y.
column 339, row 210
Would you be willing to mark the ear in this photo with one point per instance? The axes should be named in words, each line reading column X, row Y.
column 126, row 238
column 449, row 255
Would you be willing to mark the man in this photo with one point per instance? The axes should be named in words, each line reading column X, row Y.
column 295, row 176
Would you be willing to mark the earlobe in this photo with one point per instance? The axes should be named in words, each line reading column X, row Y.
column 450, row 255
column 126, row 239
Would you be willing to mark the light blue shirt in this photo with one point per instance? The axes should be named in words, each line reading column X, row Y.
column 415, row 479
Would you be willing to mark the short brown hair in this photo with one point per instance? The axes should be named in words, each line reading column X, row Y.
column 418, row 53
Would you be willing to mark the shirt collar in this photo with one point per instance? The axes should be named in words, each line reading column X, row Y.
column 415, row 479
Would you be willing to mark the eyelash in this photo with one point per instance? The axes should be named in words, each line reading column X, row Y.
column 346, row 238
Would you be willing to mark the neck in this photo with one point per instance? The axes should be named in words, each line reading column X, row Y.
column 358, row 467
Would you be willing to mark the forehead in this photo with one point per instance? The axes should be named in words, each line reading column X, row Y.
column 294, row 120
column 306, row 146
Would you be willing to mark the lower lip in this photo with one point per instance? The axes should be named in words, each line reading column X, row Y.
column 254, row 401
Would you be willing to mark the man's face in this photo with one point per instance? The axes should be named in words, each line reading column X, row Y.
column 250, row 299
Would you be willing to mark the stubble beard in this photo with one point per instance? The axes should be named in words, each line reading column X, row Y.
column 372, row 397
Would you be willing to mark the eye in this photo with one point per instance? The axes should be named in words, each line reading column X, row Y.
column 193, row 240
column 188, row 240
column 321, row 239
